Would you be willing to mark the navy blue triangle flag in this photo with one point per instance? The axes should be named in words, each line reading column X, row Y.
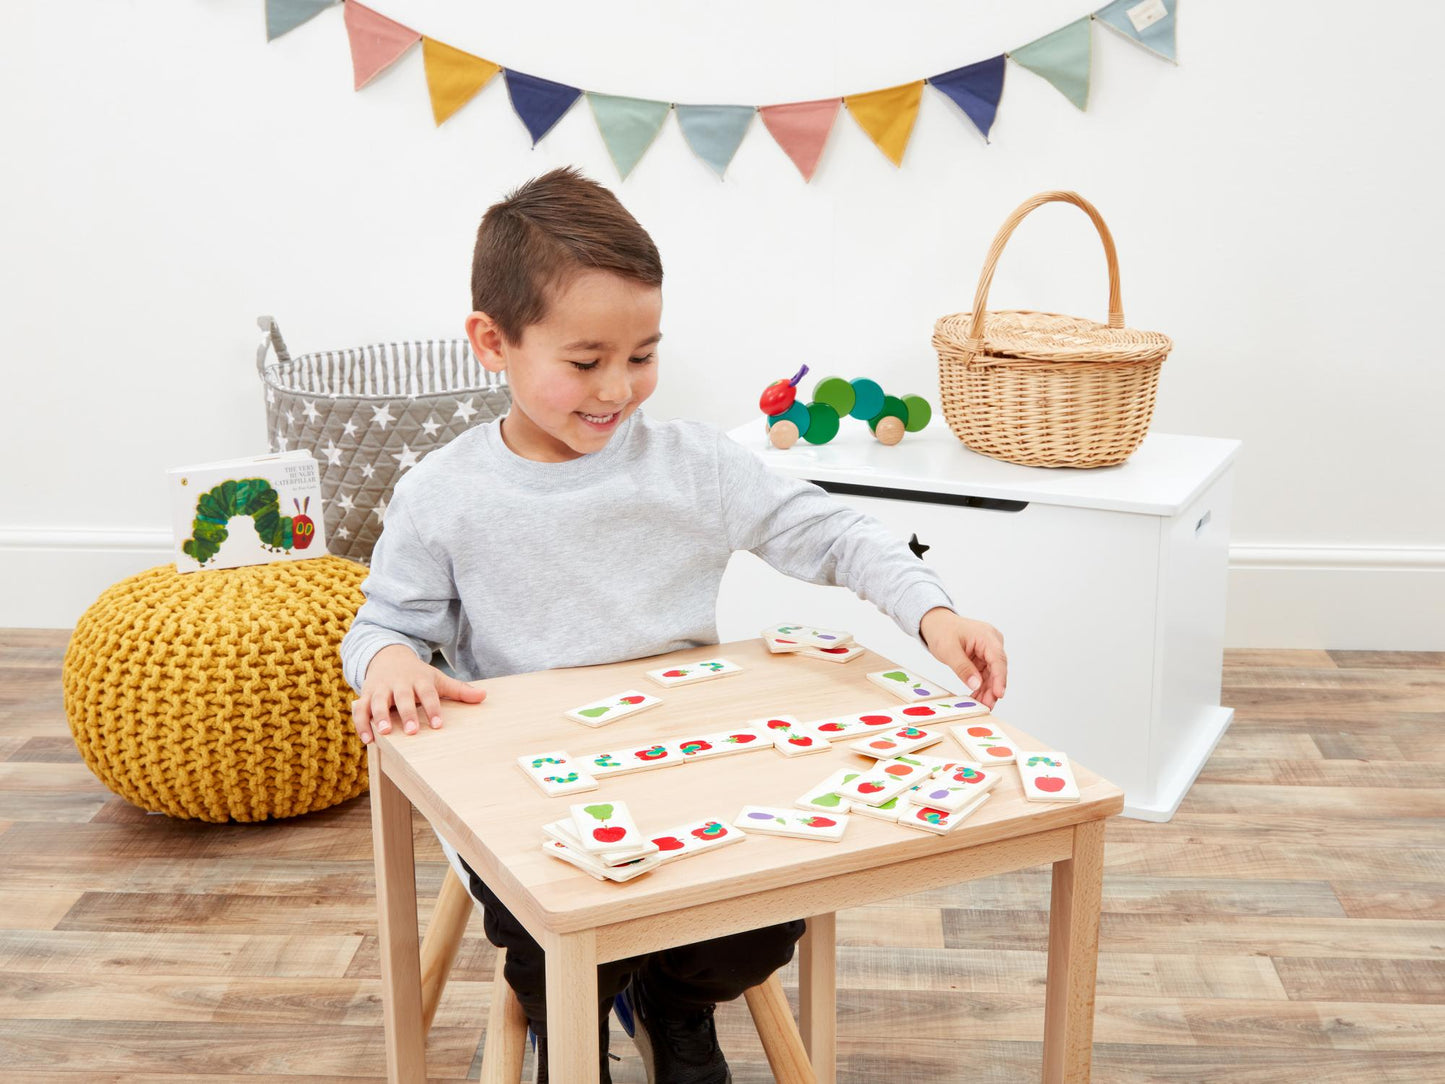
column 976, row 90
column 539, row 102
column 283, row 16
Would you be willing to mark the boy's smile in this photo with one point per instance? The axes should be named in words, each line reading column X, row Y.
column 580, row 372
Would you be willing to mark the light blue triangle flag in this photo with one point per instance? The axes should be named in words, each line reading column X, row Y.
column 1157, row 36
column 539, row 102
column 283, row 16
column 715, row 132
column 628, row 126
column 1062, row 58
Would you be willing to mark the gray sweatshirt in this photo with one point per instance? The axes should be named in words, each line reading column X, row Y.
column 509, row 565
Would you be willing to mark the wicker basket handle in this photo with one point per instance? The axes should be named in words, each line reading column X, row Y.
column 985, row 280
column 272, row 341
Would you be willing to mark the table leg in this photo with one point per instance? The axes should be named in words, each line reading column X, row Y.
column 1073, row 958
column 396, row 929
column 817, row 1007
column 572, row 1006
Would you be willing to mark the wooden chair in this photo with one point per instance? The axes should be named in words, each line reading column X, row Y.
column 506, row 1037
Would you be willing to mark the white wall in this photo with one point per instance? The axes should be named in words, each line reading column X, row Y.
column 169, row 175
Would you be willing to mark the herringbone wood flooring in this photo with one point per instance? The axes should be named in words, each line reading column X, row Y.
column 1288, row 925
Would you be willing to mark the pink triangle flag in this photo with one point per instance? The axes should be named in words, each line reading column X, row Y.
column 801, row 129
column 376, row 41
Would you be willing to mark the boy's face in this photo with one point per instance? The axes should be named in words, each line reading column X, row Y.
column 577, row 375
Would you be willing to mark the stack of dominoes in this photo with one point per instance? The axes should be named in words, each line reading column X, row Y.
column 602, row 840
column 810, row 643
column 917, row 791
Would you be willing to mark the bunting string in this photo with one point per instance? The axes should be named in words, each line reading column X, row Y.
column 629, row 126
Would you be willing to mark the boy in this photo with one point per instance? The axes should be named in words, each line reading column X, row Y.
column 576, row 531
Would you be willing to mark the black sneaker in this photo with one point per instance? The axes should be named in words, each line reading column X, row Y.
column 539, row 1063
column 678, row 1046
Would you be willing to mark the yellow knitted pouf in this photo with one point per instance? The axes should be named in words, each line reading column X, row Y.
column 218, row 695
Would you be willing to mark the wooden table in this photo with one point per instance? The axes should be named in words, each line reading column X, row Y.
column 464, row 780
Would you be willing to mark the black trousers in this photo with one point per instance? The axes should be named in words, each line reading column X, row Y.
column 688, row 977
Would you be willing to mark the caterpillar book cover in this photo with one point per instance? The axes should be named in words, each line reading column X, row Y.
column 247, row 511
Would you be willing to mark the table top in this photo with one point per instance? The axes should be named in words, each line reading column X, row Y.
column 1162, row 477
column 465, row 776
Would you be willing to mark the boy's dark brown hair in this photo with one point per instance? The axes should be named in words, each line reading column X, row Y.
column 533, row 241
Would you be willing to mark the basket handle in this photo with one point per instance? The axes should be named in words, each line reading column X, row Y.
column 985, row 280
column 272, row 341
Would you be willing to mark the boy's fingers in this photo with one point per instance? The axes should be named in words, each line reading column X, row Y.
column 453, row 689
column 431, row 705
column 406, row 708
column 360, row 722
column 381, row 712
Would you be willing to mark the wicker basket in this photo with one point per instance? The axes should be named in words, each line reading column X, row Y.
column 1042, row 389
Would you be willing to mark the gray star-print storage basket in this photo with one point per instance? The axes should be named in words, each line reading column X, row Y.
column 367, row 414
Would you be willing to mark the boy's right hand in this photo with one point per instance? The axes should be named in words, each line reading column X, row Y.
column 396, row 676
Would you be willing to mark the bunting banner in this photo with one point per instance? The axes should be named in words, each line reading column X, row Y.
column 976, row 89
column 629, row 126
column 715, row 132
column 376, row 41
column 453, row 77
column 1151, row 23
column 1063, row 58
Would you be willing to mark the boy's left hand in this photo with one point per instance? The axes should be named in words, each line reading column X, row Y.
column 971, row 649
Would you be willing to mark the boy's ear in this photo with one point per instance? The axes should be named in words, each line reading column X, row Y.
column 486, row 339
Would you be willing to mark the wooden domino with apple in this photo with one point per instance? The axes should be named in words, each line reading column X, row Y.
column 693, row 672
column 610, row 708
column 695, row 837
column 843, row 726
column 841, row 653
column 1047, row 777
column 606, row 826
column 772, row 821
column 566, row 832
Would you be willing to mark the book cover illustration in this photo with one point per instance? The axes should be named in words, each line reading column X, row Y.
column 247, row 512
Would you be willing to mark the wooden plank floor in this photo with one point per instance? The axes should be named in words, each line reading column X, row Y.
column 1289, row 924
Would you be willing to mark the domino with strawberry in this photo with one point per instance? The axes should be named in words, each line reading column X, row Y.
column 611, row 708
column 592, row 867
column 906, row 686
column 606, row 826
column 693, row 672
column 890, row 743
column 954, row 787
column 937, row 820
column 773, row 821
column 984, row 742
column 841, row 653
column 1047, row 777
column 724, row 743
column 824, row 798
column 696, row 837
column 938, row 711
column 555, row 774
column 789, row 736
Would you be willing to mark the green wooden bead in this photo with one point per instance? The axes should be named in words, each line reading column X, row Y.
column 919, row 412
column 867, row 398
column 893, row 407
column 837, row 393
column 822, row 424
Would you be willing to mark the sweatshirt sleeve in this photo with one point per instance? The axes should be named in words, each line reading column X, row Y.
column 804, row 532
column 410, row 598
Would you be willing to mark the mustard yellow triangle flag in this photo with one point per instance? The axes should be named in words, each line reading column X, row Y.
column 887, row 116
column 452, row 76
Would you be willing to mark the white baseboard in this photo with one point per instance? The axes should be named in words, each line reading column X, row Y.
column 1350, row 597
column 1375, row 598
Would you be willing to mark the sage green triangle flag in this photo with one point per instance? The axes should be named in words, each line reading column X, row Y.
column 1062, row 58
column 628, row 126
column 715, row 132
